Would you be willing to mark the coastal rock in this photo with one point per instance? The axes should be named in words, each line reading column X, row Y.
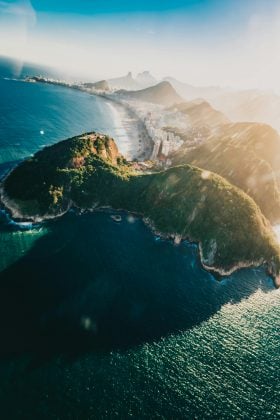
column 88, row 169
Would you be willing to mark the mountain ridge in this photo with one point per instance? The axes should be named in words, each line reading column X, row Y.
column 128, row 82
column 162, row 94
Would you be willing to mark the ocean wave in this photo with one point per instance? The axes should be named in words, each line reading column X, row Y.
column 8, row 221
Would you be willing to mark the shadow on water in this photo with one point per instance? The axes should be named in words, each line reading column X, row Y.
column 94, row 284
column 7, row 166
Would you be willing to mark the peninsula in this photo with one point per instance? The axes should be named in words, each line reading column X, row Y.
column 88, row 172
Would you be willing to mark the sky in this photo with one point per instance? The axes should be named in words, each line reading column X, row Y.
column 202, row 42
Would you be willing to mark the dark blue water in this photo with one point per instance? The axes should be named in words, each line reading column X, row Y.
column 34, row 115
column 103, row 320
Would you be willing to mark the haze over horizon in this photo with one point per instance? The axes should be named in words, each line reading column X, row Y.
column 201, row 42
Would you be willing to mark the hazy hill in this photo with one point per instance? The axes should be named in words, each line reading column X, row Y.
column 184, row 201
column 145, row 79
column 124, row 82
column 163, row 94
column 101, row 85
column 142, row 80
column 201, row 113
column 250, row 105
column 190, row 92
column 262, row 139
column 247, row 155
column 242, row 105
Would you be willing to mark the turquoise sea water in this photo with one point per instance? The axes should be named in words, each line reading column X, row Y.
column 103, row 320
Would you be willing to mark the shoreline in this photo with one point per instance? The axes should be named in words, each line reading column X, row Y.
column 128, row 121
column 131, row 126
column 217, row 272
column 134, row 140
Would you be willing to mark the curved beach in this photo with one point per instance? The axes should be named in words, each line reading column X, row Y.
column 131, row 136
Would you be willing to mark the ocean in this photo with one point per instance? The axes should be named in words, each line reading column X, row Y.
column 104, row 320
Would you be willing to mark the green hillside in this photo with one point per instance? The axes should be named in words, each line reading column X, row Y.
column 88, row 171
column 247, row 155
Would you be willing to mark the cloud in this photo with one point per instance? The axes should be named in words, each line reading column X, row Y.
column 17, row 18
column 19, row 8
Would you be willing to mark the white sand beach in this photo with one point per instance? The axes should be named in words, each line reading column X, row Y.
column 129, row 132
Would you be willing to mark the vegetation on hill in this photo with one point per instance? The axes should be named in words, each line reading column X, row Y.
column 262, row 139
column 88, row 171
column 247, row 155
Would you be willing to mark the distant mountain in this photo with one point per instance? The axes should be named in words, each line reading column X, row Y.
column 201, row 113
column 101, row 85
column 243, row 105
column 250, row 105
column 162, row 94
column 190, row 92
column 248, row 156
column 142, row 80
column 145, row 79
column 125, row 82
